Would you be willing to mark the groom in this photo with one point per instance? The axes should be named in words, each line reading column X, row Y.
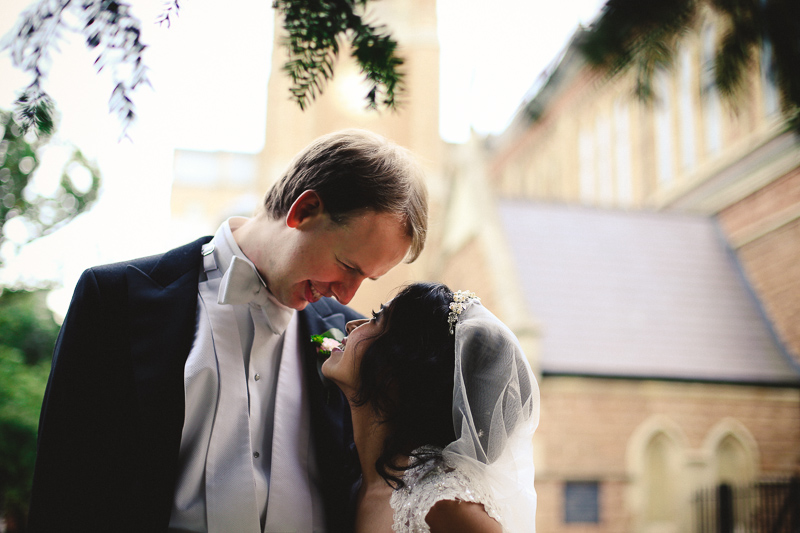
column 185, row 394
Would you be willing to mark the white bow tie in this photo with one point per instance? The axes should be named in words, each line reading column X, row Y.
column 242, row 284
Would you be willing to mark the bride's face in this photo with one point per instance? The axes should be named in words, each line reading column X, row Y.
column 342, row 367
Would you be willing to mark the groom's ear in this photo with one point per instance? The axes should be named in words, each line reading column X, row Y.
column 306, row 208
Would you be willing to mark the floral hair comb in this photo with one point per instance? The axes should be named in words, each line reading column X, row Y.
column 457, row 306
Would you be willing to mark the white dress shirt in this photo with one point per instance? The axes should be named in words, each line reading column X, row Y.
column 267, row 324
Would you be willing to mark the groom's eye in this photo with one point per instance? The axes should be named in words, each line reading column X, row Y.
column 347, row 267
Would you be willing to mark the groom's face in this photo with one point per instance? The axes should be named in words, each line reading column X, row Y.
column 321, row 258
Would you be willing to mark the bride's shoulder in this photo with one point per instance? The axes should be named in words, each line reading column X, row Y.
column 448, row 516
column 436, row 480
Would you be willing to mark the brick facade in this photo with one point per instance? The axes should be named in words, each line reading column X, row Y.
column 588, row 432
column 765, row 229
column 780, row 195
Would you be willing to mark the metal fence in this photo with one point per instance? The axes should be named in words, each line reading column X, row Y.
column 764, row 507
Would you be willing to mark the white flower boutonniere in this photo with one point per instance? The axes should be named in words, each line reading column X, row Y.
column 328, row 341
column 325, row 342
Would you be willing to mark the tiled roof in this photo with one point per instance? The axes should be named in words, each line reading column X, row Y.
column 639, row 294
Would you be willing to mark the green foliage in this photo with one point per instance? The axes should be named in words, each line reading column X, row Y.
column 36, row 109
column 314, row 29
column 782, row 20
column 27, row 336
column 646, row 35
column 27, row 329
column 27, row 325
column 642, row 35
column 18, row 162
column 108, row 27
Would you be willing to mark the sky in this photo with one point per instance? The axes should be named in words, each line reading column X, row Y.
column 208, row 73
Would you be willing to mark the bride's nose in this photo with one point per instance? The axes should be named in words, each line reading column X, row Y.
column 353, row 324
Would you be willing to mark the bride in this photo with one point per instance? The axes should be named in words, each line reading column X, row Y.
column 444, row 406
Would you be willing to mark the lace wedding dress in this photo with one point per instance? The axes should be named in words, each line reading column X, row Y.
column 429, row 483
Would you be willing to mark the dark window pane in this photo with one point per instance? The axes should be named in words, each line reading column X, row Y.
column 581, row 501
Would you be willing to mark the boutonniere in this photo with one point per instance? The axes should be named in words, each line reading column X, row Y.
column 325, row 342
column 328, row 341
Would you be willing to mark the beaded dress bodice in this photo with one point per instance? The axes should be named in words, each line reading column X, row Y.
column 429, row 483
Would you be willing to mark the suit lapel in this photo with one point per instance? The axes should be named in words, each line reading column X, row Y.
column 331, row 428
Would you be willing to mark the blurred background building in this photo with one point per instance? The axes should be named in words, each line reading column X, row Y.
column 646, row 254
column 656, row 247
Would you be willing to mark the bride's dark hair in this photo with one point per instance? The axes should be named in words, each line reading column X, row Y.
column 406, row 376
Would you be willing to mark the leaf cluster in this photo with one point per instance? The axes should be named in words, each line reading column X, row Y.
column 27, row 337
column 643, row 35
column 314, row 27
column 171, row 8
column 107, row 26
column 314, row 31
column 27, row 325
column 646, row 35
column 41, row 214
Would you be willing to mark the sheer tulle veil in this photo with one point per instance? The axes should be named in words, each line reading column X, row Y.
column 495, row 412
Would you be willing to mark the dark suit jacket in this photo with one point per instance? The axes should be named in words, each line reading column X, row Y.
column 113, row 411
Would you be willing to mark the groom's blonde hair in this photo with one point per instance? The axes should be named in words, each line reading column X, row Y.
column 352, row 171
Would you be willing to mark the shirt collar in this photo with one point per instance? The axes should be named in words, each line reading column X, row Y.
column 225, row 248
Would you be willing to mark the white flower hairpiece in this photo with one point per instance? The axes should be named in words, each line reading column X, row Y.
column 457, row 306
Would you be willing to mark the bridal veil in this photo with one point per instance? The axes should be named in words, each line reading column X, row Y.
column 495, row 412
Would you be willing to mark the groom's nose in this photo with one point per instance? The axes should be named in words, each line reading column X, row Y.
column 345, row 290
